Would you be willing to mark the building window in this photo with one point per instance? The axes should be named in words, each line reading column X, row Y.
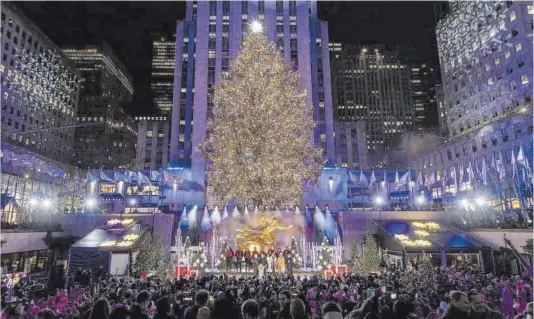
column 487, row 67
column 512, row 16
column 518, row 47
column 497, row 61
column 148, row 133
column 524, row 79
column 490, row 81
column 530, row 9
column 506, row 54
column 512, row 85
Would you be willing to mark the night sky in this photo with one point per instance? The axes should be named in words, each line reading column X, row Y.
column 130, row 27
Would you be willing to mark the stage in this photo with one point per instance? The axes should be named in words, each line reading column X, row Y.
column 187, row 271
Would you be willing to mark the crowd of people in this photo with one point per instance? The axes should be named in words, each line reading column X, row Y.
column 454, row 293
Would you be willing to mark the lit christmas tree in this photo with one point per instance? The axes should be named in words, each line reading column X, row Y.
column 259, row 149
column 199, row 259
column 354, row 254
column 144, row 260
column 221, row 261
column 325, row 257
column 294, row 256
column 159, row 257
column 370, row 260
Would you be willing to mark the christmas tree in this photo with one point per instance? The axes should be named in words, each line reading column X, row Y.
column 294, row 256
column 259, row 148
column 159, row 257
column 325, row 256
column 370, row 260
column 144, row 260
column 199, row 259
column 354, row 254
column 221, row 261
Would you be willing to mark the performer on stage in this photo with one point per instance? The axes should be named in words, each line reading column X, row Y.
column 248, row 259
column 229, row 256
column 270, row 263
column 281, row 264
column 239, row 255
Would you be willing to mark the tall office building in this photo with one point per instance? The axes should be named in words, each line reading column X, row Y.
column 424, row 80
column 370, row 84
column 441, row 109
column 212, row 34
column 39, row 101
column 152, row 148
column 109, row 135
column 485, row 51
column 162, row 74
column 351, row 144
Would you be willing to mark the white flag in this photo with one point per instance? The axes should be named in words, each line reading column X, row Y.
column 484, row 171
column 363, row 178
column 373, row 179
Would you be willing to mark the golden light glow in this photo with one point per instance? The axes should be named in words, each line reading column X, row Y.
column 262, row 235
column 108, row 243
column 428, row 225
column 421, row 233
column 127, row 221
column 406, row 241
column 112, row 222
column 130, row 237
column 260, row 149
column 125, row 243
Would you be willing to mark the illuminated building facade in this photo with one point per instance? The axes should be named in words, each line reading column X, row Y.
column 109, row 135
column 424, row 80
column 152, row 148
column 370, row 84
column 485, row 51
column 351, row 144
column 36, row 101
column 163, row 60
column 212, row 34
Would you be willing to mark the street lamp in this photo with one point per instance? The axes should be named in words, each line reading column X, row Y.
column 90, row 203
column 132, row 202
column 378, row 202
column 420, row 200
column 480, row 201
column 47, row 203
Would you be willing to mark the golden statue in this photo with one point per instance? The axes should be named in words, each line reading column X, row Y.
column 261, row 235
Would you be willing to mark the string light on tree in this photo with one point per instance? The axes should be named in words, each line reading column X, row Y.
column 199, row 259
column 260, row 148
column 325, row 256
column 371, row 259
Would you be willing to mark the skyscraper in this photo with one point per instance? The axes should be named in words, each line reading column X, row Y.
column 152, row 147
column 41, row 98
column 370, row 84
column 424, row 80
column 162, row 73
column 485, row 51
column 107, row 89
column 212, row 34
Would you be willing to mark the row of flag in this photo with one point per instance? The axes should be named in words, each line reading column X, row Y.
column 128, row 176
column 458, row 174
column 363, row 181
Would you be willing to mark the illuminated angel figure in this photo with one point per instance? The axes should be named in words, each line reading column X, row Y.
column 262, row 235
